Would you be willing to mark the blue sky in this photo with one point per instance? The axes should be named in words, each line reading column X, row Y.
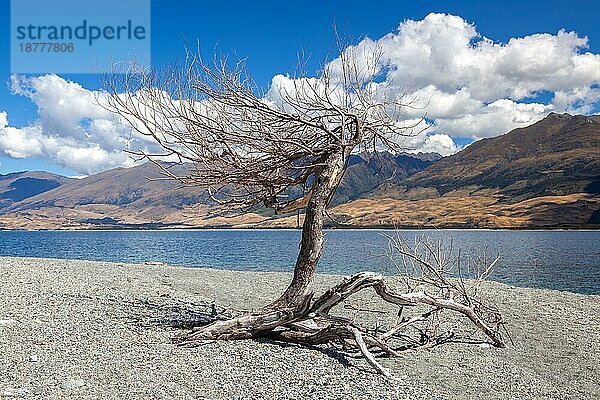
column 270, row 34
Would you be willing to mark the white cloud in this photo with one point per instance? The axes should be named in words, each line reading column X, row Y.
column 474, row 87
column 18, row 143
column 471, row 87
column 439, row 143
column 71, row 130
column 447, row 52
column 492, row 119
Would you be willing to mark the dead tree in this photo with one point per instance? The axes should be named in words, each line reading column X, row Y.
column 250, row 149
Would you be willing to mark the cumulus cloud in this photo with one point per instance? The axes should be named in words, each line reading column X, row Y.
column 469, row 86
column 72, row 130
column 474, row 87
column 438, row 143
column 18, row 143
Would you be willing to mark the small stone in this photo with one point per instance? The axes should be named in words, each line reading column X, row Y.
column 33, row 358
column 72, row 384
column 11, row 392
column 156, row 263
column 485, row 345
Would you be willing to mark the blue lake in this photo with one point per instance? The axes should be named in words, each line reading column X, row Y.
column 563, row 260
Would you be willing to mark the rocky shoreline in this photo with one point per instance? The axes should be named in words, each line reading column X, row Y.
column 93, row 330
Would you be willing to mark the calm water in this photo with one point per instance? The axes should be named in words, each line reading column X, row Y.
column 564, row 260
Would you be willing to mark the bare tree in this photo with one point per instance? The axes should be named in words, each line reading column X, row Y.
column 251, row 149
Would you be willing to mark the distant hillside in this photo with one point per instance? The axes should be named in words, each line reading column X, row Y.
column 558, row 155
column 138, row 197
column 138, row 186
column 544, row 175
column 367, row 172
column 19, row 186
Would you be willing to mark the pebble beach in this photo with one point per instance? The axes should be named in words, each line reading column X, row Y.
column 73, row 329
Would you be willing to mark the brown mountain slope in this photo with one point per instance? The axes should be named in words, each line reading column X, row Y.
column 544, row 175
column 134, row 197
column 558, row 155
column 456, row 210
column 120, row 187
column 19, row 186
column 122, row 196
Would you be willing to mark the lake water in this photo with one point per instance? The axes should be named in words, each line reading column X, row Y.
column 564, row 260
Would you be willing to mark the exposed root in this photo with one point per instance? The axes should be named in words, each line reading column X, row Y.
column 358, row 338
column 311, row 322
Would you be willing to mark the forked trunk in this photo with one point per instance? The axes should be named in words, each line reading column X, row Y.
column 311, row 245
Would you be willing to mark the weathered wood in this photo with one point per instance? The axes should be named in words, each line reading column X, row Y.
column 311, row 246
column 365, row 352
column 311, row 322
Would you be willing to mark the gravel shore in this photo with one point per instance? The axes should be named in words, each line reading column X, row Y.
column 90, row 330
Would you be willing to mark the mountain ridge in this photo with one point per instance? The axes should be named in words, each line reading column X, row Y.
column 556, row 155
column 138, row 197
column 18, row 186
column 543, row 175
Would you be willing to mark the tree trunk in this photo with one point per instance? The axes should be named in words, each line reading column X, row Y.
column 311, row 245
column 298, row 317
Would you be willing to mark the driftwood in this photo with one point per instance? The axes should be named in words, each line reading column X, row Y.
column 312, row 322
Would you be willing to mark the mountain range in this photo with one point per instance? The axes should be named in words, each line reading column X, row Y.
column 544, row 175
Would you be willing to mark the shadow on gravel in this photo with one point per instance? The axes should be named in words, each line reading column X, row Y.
column 181, row 315
column 337, row 355
column 146, row 313
column 177, row 315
